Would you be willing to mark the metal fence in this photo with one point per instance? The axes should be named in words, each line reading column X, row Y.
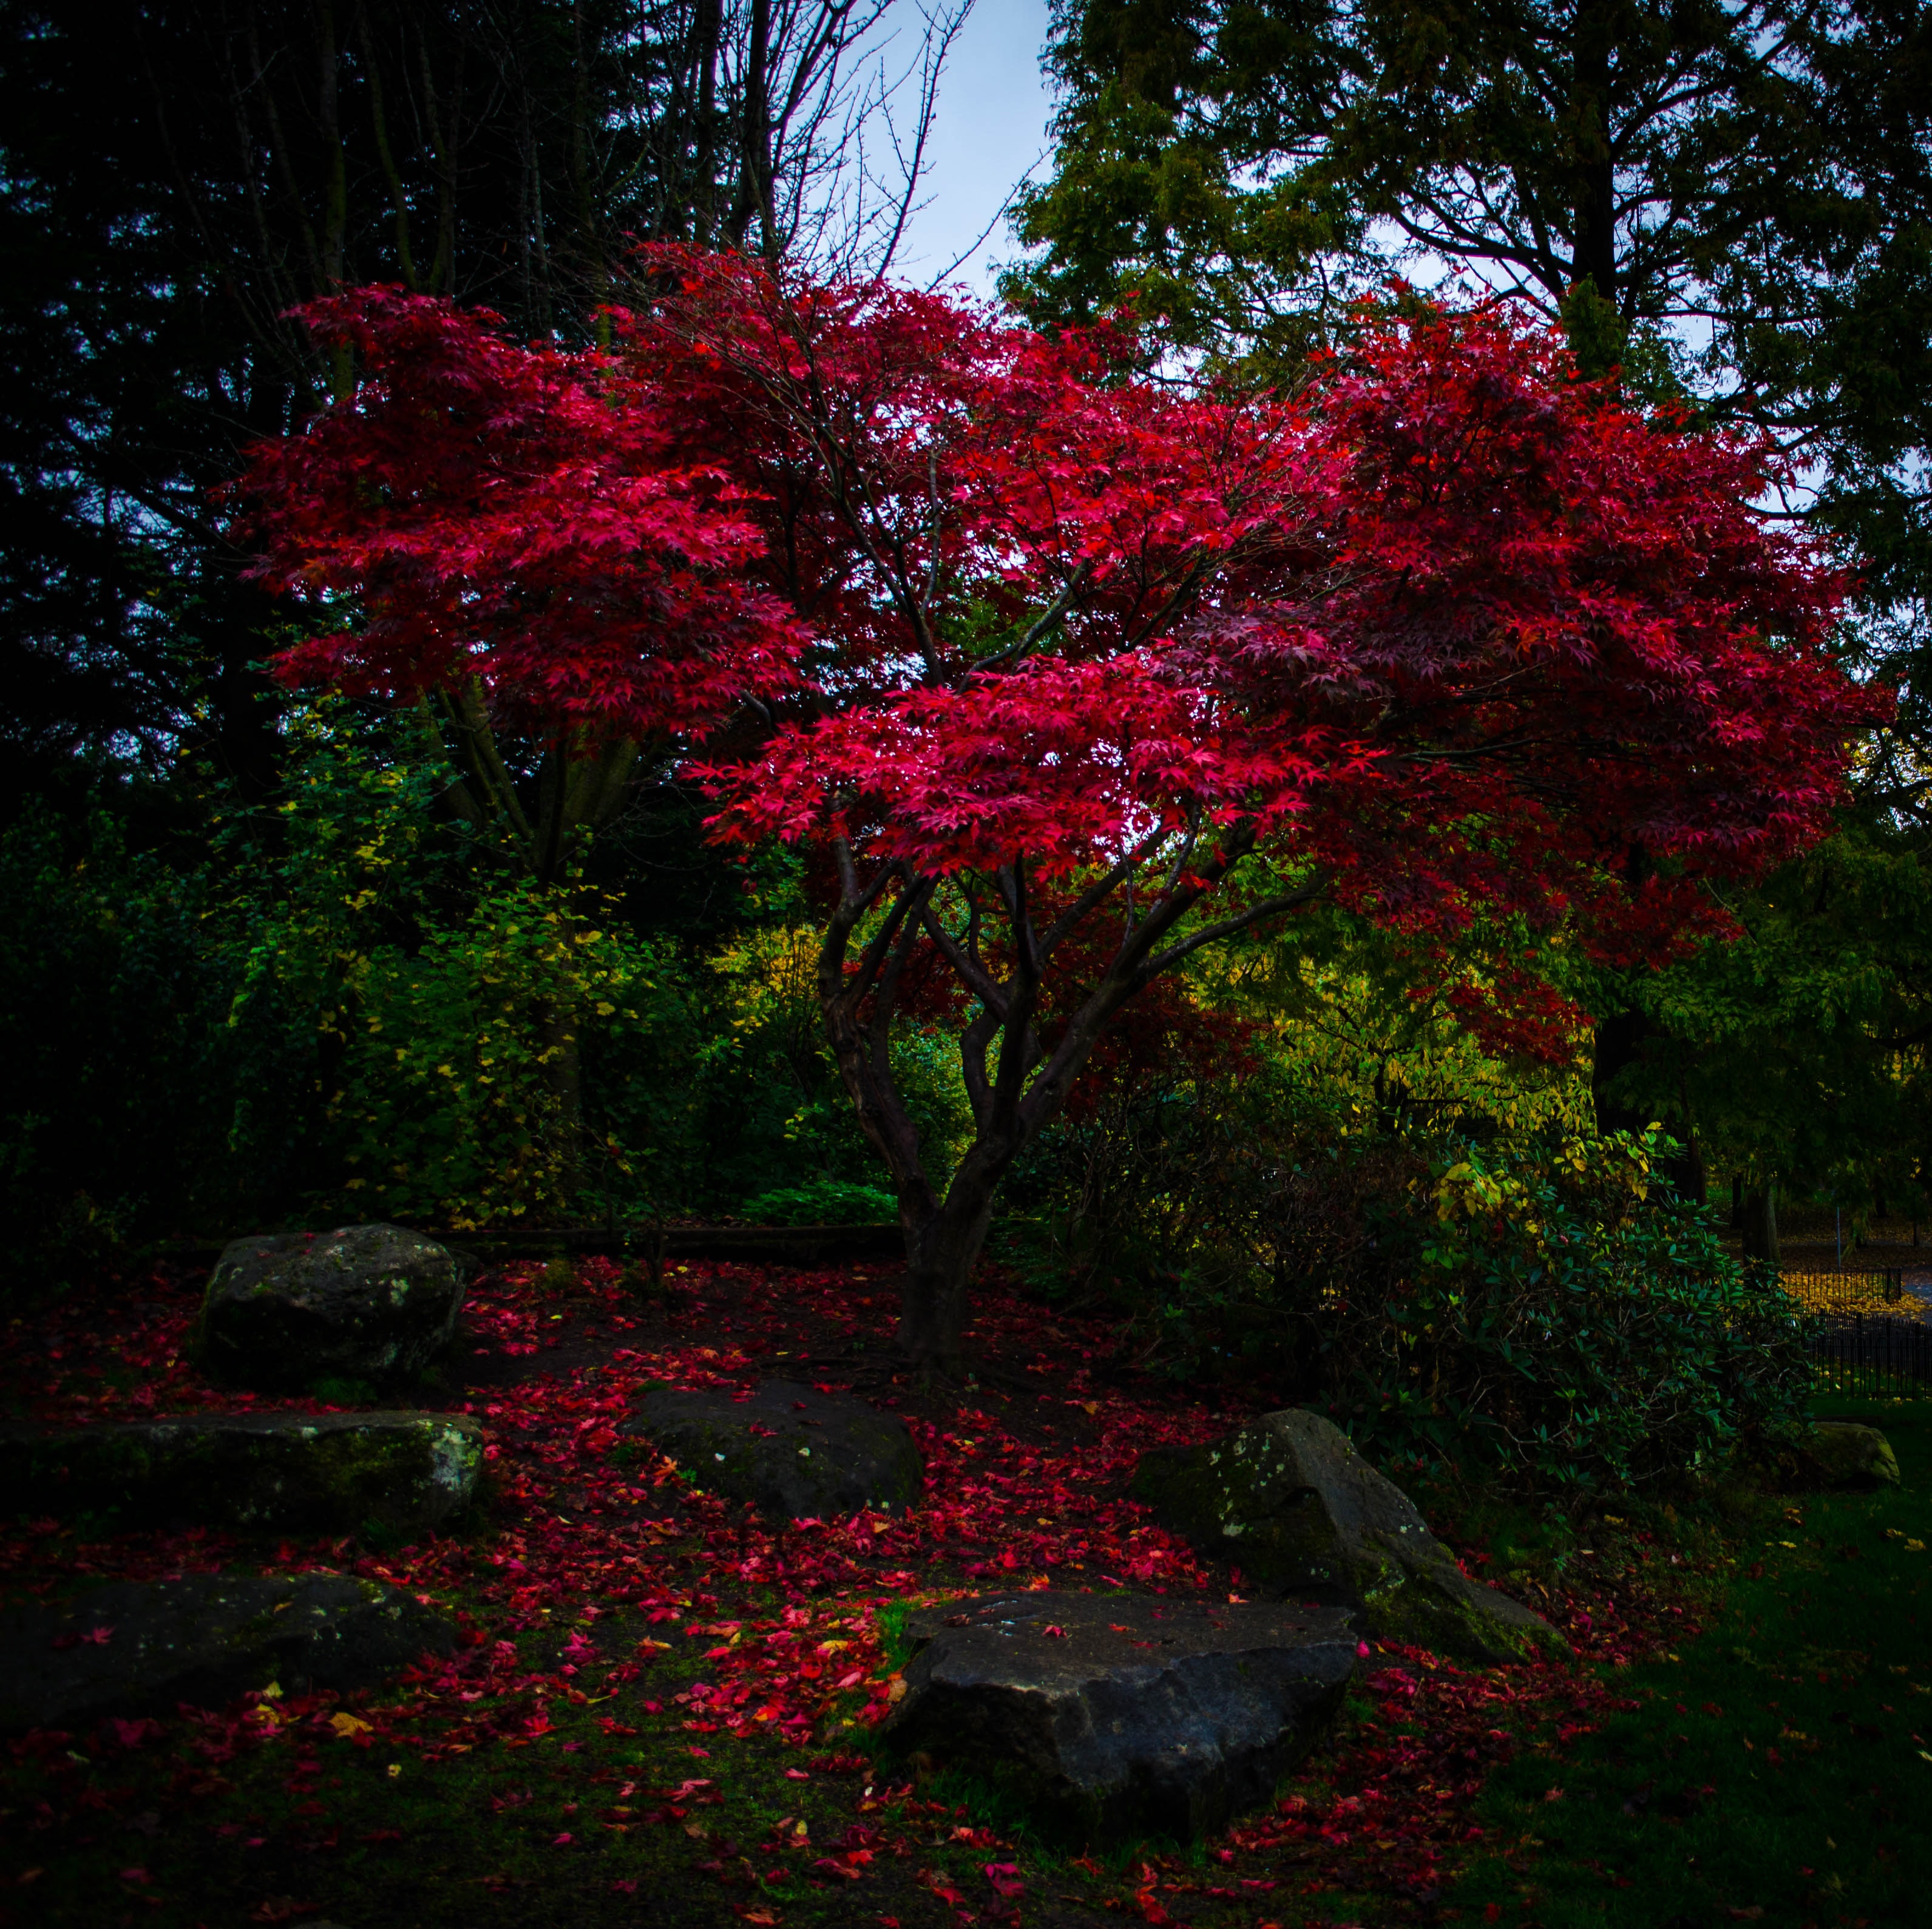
column 1873, row 1355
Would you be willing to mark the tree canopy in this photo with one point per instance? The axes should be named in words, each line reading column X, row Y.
column 1095, row 670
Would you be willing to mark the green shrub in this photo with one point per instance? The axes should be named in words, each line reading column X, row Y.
column 133, row 1107
column 1552, row 1310
column 1545, row 1311
column 823, row 1202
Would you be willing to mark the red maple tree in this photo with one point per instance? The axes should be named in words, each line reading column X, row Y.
column 1095, row 666
column 515, row 531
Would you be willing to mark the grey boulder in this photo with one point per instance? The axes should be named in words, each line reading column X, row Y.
column 363, row 1302
column 140, row 1647
column 1113, row 1716
column 263, row 1473
column 793, row 1452
column 1289, row 1500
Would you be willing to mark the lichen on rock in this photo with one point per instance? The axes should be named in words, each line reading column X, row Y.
column 367, row 1302
column 1853, row 1455
column 273, row 1473
column 1290, row 1500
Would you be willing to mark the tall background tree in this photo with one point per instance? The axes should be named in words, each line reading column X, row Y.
column 178, row 178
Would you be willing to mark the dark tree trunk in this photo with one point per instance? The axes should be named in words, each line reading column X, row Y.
column 1686, row 1172
column 1761, row 1223
column 1618, row 1045
column 940, row 1255
column 1595, row 249
column 247, row 702
column 1016, row 1083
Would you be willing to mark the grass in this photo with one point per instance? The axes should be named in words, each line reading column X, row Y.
column 1778, row 1769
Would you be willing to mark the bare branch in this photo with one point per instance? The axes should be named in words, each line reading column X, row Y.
column 1230, row 926
column 1048, row 620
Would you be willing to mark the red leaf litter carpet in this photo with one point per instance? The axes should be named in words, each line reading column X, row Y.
column 791, row 1624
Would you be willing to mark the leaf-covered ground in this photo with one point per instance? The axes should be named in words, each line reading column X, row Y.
column 664, row 1709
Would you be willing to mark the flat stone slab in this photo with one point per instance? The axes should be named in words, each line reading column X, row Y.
column 793, row 1452
column 140, row 1647
column 1116, row 1716
column 259, row 1473
column 1289, row 1500
column 364, row 1302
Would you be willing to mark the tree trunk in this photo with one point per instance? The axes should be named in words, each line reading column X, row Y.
column 1594, row 248
column 1618, row 1045
column 1015, row 1086
column 943, row 1239
column 940, row 1255
column 1761, row 1223
column 1686, row 1172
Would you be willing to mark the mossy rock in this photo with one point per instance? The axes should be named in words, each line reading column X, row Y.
column 1853, row 1456
column 1289, row 1500
column 794, row 1453
column 284, row 1310
column 261, row 1473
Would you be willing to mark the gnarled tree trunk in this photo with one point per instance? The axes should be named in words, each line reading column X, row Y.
column 1015, row 1084
column 941, row 1252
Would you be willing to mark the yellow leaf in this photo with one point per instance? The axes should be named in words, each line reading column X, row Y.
column 346, row 1725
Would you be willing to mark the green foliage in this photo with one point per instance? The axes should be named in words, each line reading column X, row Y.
column 1157, row 1190
column 1542, row 1312
column 458, row 1087
column 447, row 1004
column 772, row 1112
column 1801, row 1049
column 122, row 1114
column 345, row 1004
column 340, row 1392
column 823, row 1202
column 338, row 1006
column 1569, row 1321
